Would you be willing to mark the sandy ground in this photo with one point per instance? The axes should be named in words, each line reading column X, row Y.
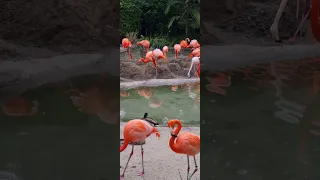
column 159, row 160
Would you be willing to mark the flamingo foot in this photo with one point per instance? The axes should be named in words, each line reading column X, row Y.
column 141, row 174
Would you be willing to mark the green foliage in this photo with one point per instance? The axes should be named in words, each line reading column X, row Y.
column 132, row 36
column 158, row 41
column 186, row 14
column 130, row 13
column 160, row 20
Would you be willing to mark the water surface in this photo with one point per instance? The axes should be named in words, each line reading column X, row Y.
column 163, row 103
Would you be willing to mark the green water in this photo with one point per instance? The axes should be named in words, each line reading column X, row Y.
column 181, row 104
column 260, row 128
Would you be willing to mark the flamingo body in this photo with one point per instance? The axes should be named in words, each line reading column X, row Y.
column 145, row 44
column 136, row 130
column 194, row 44
column 195, row 53
column 177, row 49
column 127, row 45
column 184, row 43
column 165, row 50
column 185, row 143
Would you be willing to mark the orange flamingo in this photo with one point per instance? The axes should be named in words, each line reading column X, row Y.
column 186, row 143
column 177, row 48
column 184, row 43
column 126, row 44
column 145, row 44
column 153, row 56
column 194, row 44
column 165, row 50
column 315, row 19
column 194, row 53
column 137, row 130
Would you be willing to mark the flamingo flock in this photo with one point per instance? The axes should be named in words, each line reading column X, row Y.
column 156, row 55
column 184, row 143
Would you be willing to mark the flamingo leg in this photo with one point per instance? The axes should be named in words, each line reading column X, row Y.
column 188, row 167
column 274, row 27
column 122, row 176
column 300, row 26
column 196, row 167
column 142, row 173
column 156, row 73
column 190, row 69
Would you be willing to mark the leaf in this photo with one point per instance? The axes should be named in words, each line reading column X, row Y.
column 172, row 20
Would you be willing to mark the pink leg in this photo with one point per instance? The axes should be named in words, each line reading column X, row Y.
column 122, row 176
column 142, row 173
column 188, row 167
column 300, row 26
column 196, row 167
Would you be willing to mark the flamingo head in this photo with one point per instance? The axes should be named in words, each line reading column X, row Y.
column 172, row 123
column 188, row 40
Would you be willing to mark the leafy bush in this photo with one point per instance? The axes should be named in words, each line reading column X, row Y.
column 132, row 36
column 130, row 14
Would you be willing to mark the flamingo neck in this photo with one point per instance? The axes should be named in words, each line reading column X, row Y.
column 315, row 19
column 172, row 143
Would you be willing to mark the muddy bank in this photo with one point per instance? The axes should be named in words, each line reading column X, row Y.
column 249, row 22
column 234, row 56
column 170, row 70
column 156, row 83
column 17, row 77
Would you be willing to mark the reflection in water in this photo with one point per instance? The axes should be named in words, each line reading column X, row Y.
column 267, row 125
column 45, row 137
column 20, row 107
column 163, row 103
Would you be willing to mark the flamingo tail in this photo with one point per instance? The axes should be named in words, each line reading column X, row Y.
column 124, row 145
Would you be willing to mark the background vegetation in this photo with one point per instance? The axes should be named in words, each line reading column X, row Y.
column 162, row 22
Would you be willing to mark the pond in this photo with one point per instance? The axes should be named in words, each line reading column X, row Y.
column 163, row 103
column 49, row 133
column 265, row 123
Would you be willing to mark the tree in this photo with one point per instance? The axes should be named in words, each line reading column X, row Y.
column 186, row 13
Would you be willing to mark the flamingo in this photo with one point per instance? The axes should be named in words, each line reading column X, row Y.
column 165, row 50
column 184, row 43
column 177, row 48
column 186, row 143
column 195, row 53
column 153, row 56
column 145, row 44
column 194, row 61
column 126, row 44
column 194, row 44
column 137, row 130
column 315, row 19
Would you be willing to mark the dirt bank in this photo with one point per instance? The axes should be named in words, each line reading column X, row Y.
column 171, row 70
column 248, row 21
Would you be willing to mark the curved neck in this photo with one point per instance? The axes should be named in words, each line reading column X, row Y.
column 315, row 19
column 176, row 132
